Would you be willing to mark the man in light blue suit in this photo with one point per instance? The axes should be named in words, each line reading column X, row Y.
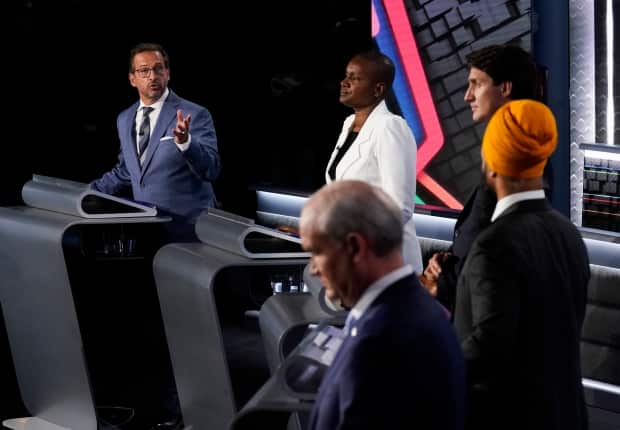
column 168, row 151
column 400, row 365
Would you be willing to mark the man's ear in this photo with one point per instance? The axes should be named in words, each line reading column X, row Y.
column 354, row 244
column 132, row 80
column 489, row 173
column 506, row 88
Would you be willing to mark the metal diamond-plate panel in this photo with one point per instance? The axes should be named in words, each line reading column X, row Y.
column 601, row 52
column 446, row 31
column 582, row 90
column 600, row 71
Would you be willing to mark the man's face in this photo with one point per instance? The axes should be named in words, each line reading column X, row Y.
column 483, row 96
column 150, row 75
column 331, row 263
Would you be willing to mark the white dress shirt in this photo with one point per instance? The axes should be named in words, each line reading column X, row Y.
column 505, row 202
column 372, row 292
column 153, row 117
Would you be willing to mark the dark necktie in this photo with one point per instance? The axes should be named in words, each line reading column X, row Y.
column 144, row 133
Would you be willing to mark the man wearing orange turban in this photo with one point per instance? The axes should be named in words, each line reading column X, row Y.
column 521, row 295
column 519, row 139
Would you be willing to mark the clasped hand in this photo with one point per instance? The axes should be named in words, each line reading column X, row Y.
column 429, row 277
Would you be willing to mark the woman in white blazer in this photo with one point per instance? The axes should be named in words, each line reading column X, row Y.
column 376, row 145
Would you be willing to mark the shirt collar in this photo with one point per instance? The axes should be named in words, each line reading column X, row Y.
column 511, row 199
column 376, row 288
column 158, row 104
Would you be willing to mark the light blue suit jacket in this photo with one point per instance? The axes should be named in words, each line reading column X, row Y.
column 178, row 183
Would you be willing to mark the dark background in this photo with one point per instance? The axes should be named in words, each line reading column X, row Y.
column 267, row 71
column 65, row 66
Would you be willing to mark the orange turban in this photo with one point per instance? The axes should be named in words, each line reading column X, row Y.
column 519, row 138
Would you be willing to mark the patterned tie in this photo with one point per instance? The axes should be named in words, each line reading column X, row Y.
column 144, row 133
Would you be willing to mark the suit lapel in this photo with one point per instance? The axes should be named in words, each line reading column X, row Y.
column 356, row 151
column 129, row 136
column 343, row 136
column 166, row 116
column 353, row 154
column 467, row 209
column 333, row 373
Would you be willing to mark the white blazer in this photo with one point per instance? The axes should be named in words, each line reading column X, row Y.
column 384, row 155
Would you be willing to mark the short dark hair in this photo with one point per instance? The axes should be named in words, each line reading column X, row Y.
column 383, row 66
column 508, row 63
column 148, row 47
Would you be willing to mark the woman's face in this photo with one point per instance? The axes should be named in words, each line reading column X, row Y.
column 359, row 88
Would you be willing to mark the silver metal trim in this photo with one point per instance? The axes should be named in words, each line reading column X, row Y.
column 68, row 197
column 601, row 386
column 229, row 232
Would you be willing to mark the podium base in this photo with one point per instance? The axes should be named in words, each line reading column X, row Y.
column 31, row 423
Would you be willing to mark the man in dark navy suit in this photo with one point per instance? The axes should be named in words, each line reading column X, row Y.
column 400, row 365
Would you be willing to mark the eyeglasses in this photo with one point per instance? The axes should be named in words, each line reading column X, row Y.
column 145, row 72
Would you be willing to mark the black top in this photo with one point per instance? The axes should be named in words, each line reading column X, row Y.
column 475, row 217
column 340, row 153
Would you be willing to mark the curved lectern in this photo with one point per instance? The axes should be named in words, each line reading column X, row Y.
column 294, row 385
column 205, row 290
column 78, row 199
column 66, row 259
column 284, row 319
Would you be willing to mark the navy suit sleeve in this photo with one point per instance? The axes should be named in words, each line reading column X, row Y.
column 202, row 154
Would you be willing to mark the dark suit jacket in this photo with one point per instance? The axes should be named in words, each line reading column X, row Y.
column 475, row 217
column 519, row 311
column 178, row 183
column 403, row 369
